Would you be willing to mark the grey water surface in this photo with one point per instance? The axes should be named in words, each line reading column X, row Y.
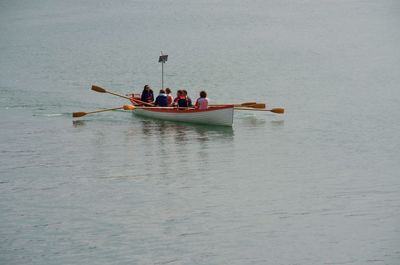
column 317, row 185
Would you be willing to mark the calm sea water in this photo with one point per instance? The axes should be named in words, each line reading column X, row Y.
column 317, row 185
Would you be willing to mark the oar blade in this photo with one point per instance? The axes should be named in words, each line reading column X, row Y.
column 78, row 114
column 278, row 110
column 258, row 106
column 98, row 89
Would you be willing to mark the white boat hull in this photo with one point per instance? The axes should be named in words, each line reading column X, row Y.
column 221, row 115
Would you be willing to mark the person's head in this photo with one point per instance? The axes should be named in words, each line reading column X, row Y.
column 146, row 87
column 162, row 91
column 167, row 90
column 184, row 92
column 179, row 92
column 203, row 94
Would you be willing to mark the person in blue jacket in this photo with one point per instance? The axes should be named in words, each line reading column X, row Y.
column 162, row 99
column 189, row 100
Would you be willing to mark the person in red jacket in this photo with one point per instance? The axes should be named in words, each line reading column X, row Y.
column 181, row 100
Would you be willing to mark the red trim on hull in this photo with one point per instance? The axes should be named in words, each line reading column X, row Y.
column 184, row 110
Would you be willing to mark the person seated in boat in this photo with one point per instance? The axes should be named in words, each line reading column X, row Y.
column 189, row 100
column 169, row 96
column 178, row 93
column 162, row 99
column 147, row 94
column 180, row 100
column 202, row 101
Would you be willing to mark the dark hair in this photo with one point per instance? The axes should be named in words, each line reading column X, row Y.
column 162, row 91
column 184, row 92
column 168, row 90
column 146, row 87
column 203, row 94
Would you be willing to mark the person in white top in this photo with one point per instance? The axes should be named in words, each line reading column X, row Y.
column 169, row 96
column 202, row 101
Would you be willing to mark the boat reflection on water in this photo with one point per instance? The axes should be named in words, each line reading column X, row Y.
column 170, row 144
column 154, row 149
column 184, row 133
column 78, row 123
column 278, row 123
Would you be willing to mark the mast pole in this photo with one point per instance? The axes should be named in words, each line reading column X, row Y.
column 162, row 75
column 163, row 58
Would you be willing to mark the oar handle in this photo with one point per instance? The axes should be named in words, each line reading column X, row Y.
column 142, row 102
column 102, row 90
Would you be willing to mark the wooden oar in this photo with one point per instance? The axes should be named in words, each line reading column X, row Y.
column 82, row 113
column 239, row 106
column 256, row 106
column 102, row 90
column 247, row 104
column 274, row 110
column 142, row 102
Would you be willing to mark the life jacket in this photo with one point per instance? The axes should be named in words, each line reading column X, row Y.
column 147, row 96
column 182, row 102
column 202, row 103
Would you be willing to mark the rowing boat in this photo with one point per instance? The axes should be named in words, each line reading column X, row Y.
column 218, row 115
column 213, row 115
